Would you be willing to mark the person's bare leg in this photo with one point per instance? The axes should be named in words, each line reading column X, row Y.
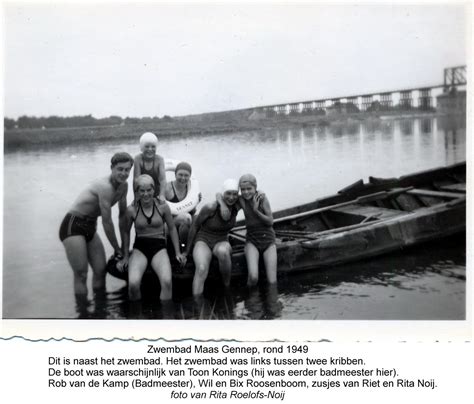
column 252, row 255
column 270, row 260
column 202, row 256
column 96, row 257
column 162, row 267
column 183, row 223
column 76, row 252
column 223, row 252
column 136, row 268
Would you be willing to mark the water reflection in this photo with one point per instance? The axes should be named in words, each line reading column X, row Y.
column 427, row 282
column 407, row 126
column 426, row 125
column 343, row 292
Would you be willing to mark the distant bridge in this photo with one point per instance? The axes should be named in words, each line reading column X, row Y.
column 405, row 99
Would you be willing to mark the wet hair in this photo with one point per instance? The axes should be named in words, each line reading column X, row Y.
column 144, row 180
column 230, row 184
column 248, row 178
column 120, row 157
column 148, row 137
column 183, row 166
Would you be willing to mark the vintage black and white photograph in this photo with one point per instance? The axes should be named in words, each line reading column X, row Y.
column 235, row 161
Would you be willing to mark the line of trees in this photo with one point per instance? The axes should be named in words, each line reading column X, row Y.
column 32, row 122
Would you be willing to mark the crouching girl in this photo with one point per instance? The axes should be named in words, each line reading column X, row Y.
column 149, row 217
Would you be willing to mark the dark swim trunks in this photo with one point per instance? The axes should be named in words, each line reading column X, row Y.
column 211, row 239
column 261, row 238
column 148, row 246
column 73, row 225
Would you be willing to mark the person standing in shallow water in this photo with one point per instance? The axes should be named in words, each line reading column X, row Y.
column 78, row 229
column 211, row 232
column 148, row 162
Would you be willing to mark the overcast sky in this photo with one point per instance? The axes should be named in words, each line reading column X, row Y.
column 157, row 59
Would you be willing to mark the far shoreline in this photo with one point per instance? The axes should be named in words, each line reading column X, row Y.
column 196, row 125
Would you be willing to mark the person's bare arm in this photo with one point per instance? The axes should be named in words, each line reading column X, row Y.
column 162, row 179
column 173, row 235
column 137, row 171
column 224, row 209
column 129, row 214
column 124, row 231
column 168, row 192
column 105, row 197
column 265, row 214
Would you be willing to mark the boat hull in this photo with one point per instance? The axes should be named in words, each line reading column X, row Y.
column 362, row 221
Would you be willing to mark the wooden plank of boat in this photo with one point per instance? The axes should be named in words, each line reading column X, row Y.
column 438, row 194
column 361, row 199
column 454, row 188
column 392, row 234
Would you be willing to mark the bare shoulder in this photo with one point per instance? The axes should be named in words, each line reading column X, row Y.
column 164, row 208
column 102, row 186
column 131, row 210
column 168, row 186
column 262, row 196
column 138, row 158
column 208, row 208
column 263, row 200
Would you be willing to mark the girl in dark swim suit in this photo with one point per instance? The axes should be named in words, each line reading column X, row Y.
column 210, row 231
column 149, row 248
column 260, row 234
column 150, row 163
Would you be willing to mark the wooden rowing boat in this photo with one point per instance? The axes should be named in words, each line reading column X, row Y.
column 361, row 221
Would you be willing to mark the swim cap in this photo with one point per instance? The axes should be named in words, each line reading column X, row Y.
column 183, row 166
column 147, row 137
column 144, row 180
column 230, row 184
column 248, row 178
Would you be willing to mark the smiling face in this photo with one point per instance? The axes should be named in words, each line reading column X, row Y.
column 121, row 171
column 149, row 150
column 145, row 192
column 230, row 197
column 247, row 190
column 182, row 176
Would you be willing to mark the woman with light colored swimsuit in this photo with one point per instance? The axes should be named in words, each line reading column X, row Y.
column 149, row 217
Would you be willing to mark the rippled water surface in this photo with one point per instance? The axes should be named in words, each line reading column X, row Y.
column 292, row 167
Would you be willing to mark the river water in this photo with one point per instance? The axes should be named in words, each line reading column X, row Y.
column 292, row 166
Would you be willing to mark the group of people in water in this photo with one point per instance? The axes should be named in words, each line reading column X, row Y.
column 204, row 234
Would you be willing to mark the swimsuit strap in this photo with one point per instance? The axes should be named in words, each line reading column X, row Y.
column 176, row 195
column 162, row 219
column 138, row 211
column 148, row 218
column 174, row 191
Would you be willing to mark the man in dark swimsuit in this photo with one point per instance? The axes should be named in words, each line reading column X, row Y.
column 78, row 230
